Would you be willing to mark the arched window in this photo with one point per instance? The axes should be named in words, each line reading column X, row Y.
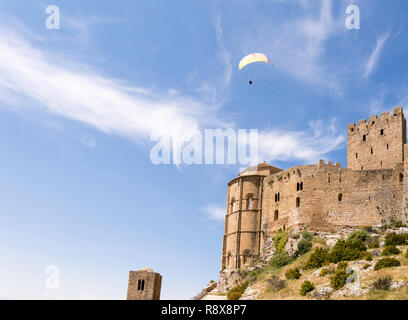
column 401, row 177
column 229, row 258
column 246, row 257
column 301, row 185
column 340, row 197
column 364, row 137
column 297, row 202
column 382, row 132
column 250, row 201
column 276, row 215
column 232, row 205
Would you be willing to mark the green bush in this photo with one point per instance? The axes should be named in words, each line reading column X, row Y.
column 317, row 259
column 367, row 255
column 373, row 243
column 397, row 223
column 382, row 283
column 326, row 271
column 393, row 239
column 367, row 265
column 279, row 260
column 307, row 236
column 280, row 240
column 368, row 229
column 406, row 254
column 346, row 250
column 359, row 235
column 338, row 280
column 386, row 263
column 293, row 274
column 390, row 250
column 276, row 283
column 306, row 287
column 236, row 292
column 304, row 246
column 342, row 265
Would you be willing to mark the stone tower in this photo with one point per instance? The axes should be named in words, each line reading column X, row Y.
column 242, row 236
column 144, row 284
column 378, row 143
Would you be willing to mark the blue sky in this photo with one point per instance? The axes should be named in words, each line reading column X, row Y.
column 77, row 107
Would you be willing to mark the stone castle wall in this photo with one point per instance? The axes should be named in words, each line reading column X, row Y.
column 321, row 197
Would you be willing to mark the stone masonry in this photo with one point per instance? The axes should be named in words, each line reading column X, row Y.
column 371, row 191
column 144, row 284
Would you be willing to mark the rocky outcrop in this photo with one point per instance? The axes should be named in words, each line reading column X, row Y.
column 228, row 279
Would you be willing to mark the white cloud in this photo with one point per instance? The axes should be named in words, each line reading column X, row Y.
column 31, row 78
column 215, row 212
column 300, row 145
column 375, row 55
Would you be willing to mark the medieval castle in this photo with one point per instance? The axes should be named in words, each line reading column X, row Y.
column 372, row 190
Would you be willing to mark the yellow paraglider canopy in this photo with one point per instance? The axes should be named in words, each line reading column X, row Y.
column 252, row 57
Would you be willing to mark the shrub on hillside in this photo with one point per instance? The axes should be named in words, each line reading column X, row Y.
column 304, row 246
column 276, row 283
column 359, row 235
column 366, row 266
column 280, row 259
column 325, row 271
column 280, row 240
column 390, row 250
column 307, row 235
column 306, row 287
column 393, row 239
column 386, row 263
column 368, row 229
column 338, row 280
column 317, row 259
column 293, row 274
column 342, row 265
column 345, row 250
column 236, row 292
column 397, row 223
column 367, row 255
column 373, row 243
column 382, row 283
column 406, row 254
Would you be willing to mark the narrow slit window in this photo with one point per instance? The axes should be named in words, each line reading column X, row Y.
column 364, row 137
column 340, row 197
column 382, row 132
column 297, row 202
column 276, row 215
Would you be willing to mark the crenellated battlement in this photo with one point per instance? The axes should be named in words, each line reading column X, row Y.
column 328, row 164
column 374, row 120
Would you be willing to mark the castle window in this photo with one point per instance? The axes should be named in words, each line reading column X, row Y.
column 401, row 177
column 250, row 202
column 140, row 284
column 371, row 150
column 232, row 205
column 364, row 137
column 328, row 180
column 276, row 215
column 361, row 167
column 373, row 122
column 340, row 197
column 387, row 146
column 382, row 132
column 356, row 155
column 297, row 187
column 297, row 202
column 381, row 163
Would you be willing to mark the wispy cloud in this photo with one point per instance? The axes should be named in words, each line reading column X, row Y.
column 300, row 145
column 214, row 212
column 375, row 55
column 30, row 77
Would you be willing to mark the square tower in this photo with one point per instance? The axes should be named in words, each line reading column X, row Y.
column 378, row 143
column 144, row 284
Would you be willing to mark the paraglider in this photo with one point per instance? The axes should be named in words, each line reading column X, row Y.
column 251, row 58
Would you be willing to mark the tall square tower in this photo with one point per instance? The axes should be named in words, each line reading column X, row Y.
column 144, row 284
column 378, row 143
